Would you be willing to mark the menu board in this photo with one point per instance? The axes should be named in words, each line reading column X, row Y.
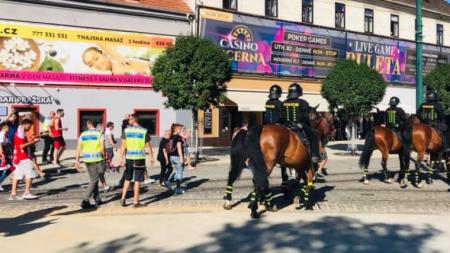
column 271, row 47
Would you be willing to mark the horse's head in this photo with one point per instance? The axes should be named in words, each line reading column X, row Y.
column 324, row 123
column 313, row 113
column 414, row 120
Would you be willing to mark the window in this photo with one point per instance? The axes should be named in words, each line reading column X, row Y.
column 149, row 119
column 368, row 20
column 394, row 26
column 230, row 4
column 340, row 15
column 307, row 11
column 272, row 8
column 98, row 115
column 439, row 34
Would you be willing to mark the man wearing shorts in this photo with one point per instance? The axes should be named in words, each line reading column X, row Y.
column 135, row 140
column 90, row 147
column 22, row 161
column 57, row 134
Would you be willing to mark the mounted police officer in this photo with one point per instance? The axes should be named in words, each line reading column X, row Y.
column 296, row 116
column 395, row 116
column 432, row 113
column 274, row 107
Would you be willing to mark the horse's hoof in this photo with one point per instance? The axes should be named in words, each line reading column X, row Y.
column 419, row 185
column 365, row 181
column 429, row 181
column 272, row 208
column 227, row 205
column 255, row 215
column 388, row 181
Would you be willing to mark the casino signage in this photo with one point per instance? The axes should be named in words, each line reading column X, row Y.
column 264, row 46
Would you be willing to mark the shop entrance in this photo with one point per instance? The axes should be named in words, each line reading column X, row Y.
column 30, row 111
column 230, row 120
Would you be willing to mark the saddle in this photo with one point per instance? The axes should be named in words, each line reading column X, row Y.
column 298, row 130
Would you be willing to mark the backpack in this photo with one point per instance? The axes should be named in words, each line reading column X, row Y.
column 170, row 147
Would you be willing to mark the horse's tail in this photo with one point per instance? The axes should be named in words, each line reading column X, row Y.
column 369, row 147
column 237, row 156
column 256, row 157
column 407, row 140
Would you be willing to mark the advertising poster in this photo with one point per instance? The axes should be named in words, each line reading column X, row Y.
column 264, row 46
column 52, row 54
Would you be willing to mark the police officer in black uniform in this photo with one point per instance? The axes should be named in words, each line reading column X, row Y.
column 432, row 113
column 395, row 116
column 296, row 116
column 274, row 107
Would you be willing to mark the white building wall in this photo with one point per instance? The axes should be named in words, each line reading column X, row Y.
column 324, row 10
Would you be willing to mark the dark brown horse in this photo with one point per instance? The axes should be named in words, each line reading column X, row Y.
column 269, row 145
column 385, row 140
column 325, row 131
column 423, row 139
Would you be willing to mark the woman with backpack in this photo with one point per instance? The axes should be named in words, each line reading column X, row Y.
column 164, row 160
column 176, row 154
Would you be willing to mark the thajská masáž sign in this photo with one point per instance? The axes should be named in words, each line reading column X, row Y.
column 273, row 47
column 52, row 54
column 25, row 100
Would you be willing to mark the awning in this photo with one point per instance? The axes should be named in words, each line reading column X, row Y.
column 254, row 101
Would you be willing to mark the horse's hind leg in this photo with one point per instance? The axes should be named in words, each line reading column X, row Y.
column 417, row 178
column 305, row 191
column 430, row 168
column 253, row 205
column 387, row 178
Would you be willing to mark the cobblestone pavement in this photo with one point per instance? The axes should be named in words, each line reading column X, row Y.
column 341, row 193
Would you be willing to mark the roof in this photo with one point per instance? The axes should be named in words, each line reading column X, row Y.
column 177, row 6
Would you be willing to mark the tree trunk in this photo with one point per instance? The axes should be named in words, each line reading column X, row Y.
column 196, row 135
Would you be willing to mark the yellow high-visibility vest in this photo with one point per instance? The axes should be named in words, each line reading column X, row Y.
column 135, row 140
column 90, row 146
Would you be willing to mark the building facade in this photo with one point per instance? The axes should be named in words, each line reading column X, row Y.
column 285, row 41
column 91, row 58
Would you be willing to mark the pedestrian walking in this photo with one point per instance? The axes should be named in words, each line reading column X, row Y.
column 110, row 143
column 6, row 152
column 22, row 162
column 135, row 140
column 48, row 140
column 163, row 158
column 105, row 185
column 31, row 149
column 186, row 134
column 12, row 119
column 90, row 147
column 56, row 130
column 177, row 157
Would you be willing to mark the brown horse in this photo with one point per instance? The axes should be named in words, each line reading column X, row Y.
column 325, row 130
column 423, row 139
column 276, row 144
column 385, row 140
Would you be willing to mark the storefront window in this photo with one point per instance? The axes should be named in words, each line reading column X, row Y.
column 149, row 120
column 340, row 15
column 207, row 122
column 93, row 114
column 307, row 11
column 368, row 20
column 230, row 4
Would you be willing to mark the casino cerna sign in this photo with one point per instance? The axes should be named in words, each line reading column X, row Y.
column 240, row 47
column 25, row 100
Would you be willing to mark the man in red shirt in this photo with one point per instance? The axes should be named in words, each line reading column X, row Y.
column 22, row 161
column 56, row 130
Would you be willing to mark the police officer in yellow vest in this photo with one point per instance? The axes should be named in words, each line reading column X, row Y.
column 395, row 116
column 135, row 141
column 90, row 148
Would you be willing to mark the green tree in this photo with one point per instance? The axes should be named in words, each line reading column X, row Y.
column 192, row 75
column 439, row 80
column 354, row 89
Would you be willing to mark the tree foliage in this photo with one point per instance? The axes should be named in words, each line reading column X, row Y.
column 439, row 80
column 354, row 87
column 192, row 74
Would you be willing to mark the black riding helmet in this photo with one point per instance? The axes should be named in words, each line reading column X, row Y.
column 394, row 101
column 295, row 91
column 275, row 91
column 432, row 97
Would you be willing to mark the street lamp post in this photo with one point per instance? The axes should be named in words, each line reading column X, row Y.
column 419, row 78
